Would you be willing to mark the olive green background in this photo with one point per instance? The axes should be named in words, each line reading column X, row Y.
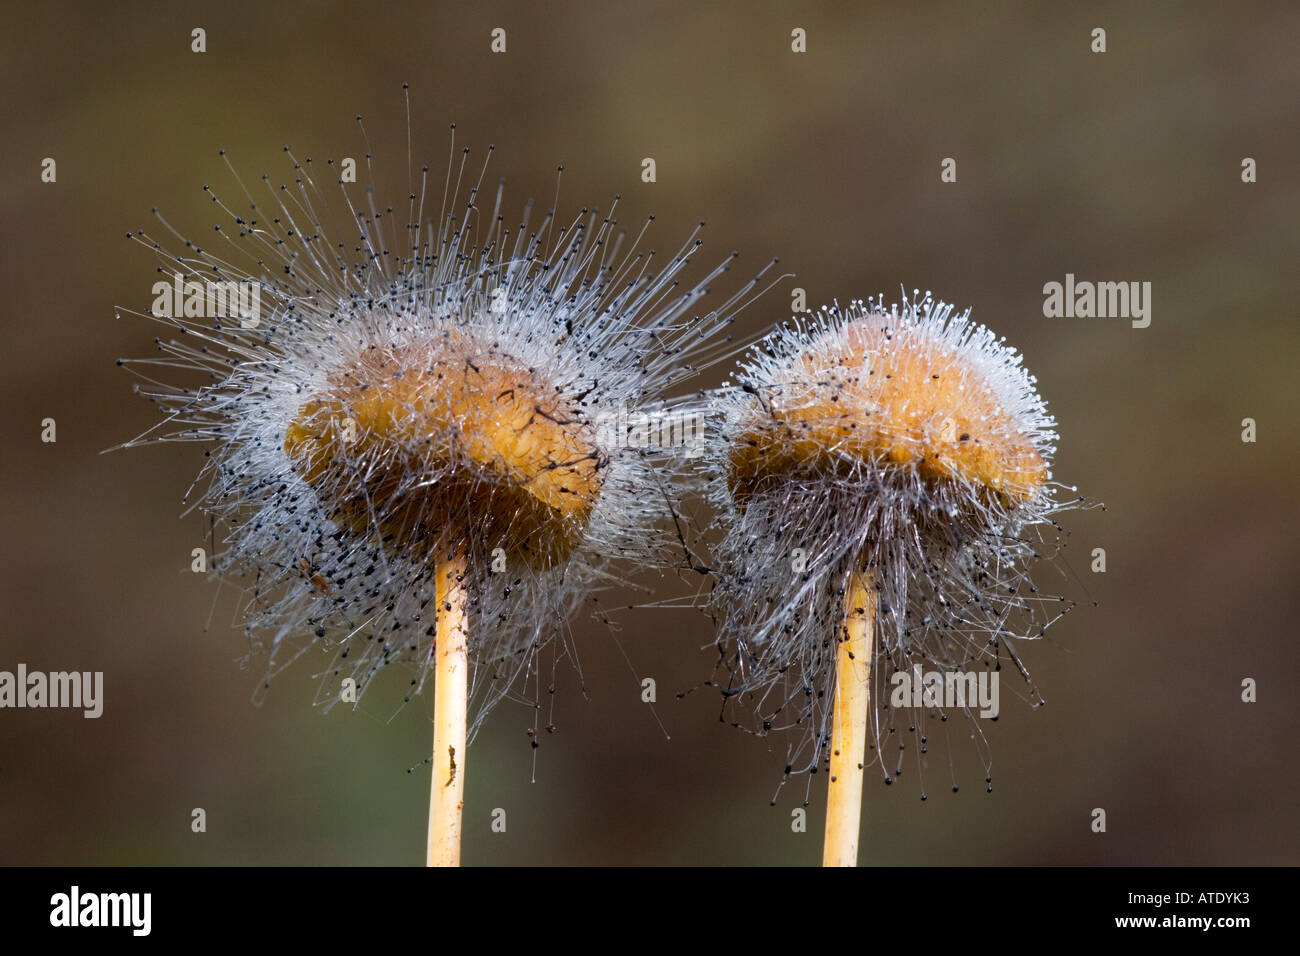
column 1117, row 166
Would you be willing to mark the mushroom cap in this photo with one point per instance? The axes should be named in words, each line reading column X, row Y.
column 450, row 437
column 880, row 394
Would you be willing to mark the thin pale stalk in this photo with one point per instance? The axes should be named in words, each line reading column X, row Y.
column 450, row 704
column 849, row 723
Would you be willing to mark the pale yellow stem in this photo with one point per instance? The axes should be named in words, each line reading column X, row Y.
column 849, row 723
column 450, row 703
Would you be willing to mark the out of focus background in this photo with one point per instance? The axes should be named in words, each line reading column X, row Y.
column 1117, row 166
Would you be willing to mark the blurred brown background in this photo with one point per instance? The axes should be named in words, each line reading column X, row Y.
column 1117, row 166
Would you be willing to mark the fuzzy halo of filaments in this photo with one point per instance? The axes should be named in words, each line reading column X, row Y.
column 948, row 556
column 594, row 320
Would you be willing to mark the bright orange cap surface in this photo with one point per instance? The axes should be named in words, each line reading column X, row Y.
column 449, row 437
column 872, row 395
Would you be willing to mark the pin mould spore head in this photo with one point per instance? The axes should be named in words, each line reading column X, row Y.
column 426, row 388
column 904, row 448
